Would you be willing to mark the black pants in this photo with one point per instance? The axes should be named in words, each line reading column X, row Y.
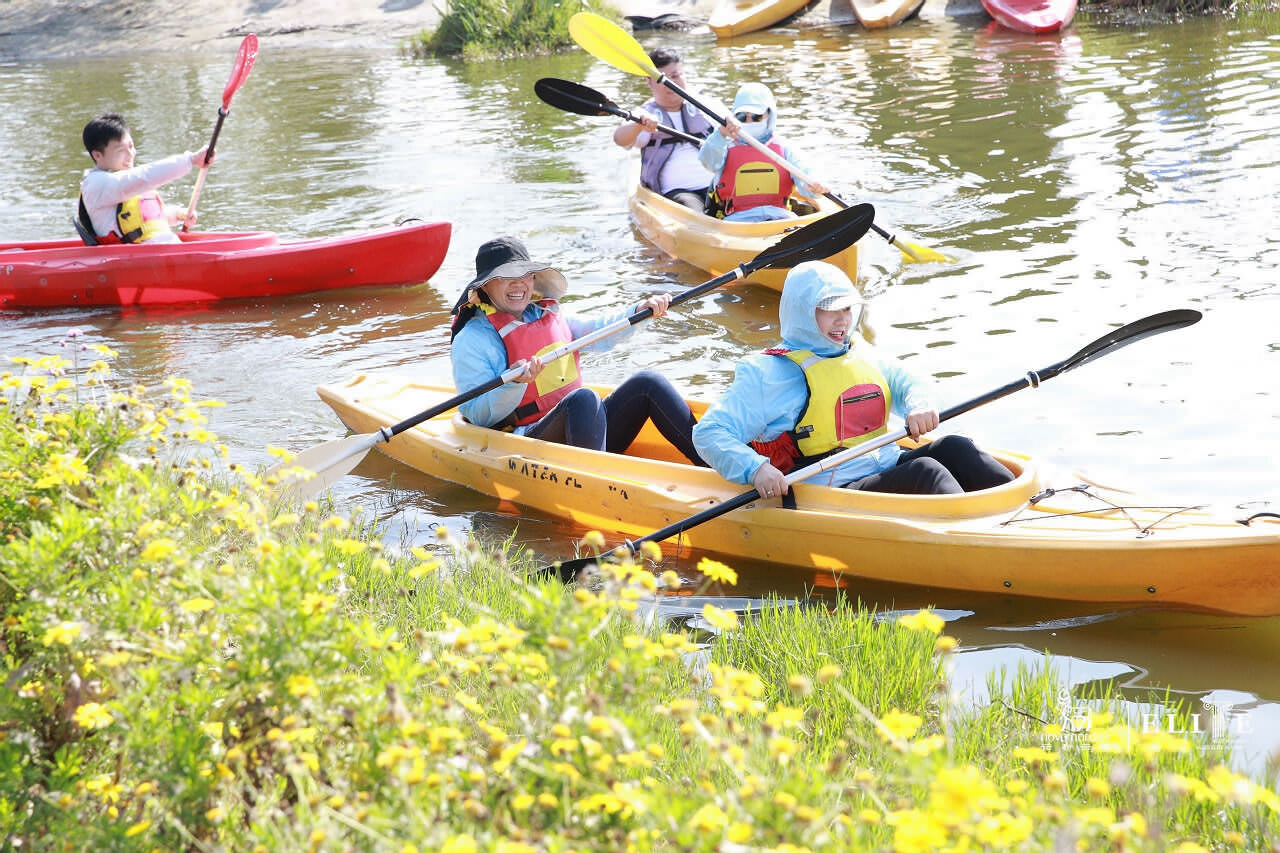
column 947, row 466
column 583, row 420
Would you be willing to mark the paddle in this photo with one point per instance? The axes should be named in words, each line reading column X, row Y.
column 239, row 73
column 607, row 41
column 1166, row 321
column 585, row 101
column 332, row 460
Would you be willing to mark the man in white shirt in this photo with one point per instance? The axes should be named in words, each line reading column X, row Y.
column 669, row 166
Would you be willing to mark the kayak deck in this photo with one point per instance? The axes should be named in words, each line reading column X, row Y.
column 209, row 267
column 718, row 246
column 732, row 18
column 1021, row 538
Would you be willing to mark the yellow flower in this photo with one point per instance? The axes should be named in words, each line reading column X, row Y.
column 198, row 605
column 923, row 620
column 783, row 717
column 459, row 844
column 62, row 634
column 1003, row 831
column 709, row 818
column 714, row 570
column 830, row 672
column 301, row 685
column 945, row 644
column 91, row 715
column 522, row 802
column 158, row 549
column 1097, row 787
column 725, row 620
column 594, row 540
column 897, row 725
column 1035, row 754
column 137, row 829
column 870, row 816
column 915, row 831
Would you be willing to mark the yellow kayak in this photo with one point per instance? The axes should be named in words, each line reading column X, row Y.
column 1079, row 543
column 717, row 246
column 878, row 14
column 735, row 17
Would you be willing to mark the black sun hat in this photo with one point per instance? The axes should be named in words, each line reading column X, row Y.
column 506, row 257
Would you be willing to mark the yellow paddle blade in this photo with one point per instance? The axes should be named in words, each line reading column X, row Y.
column 610, row 43
column 921, row 255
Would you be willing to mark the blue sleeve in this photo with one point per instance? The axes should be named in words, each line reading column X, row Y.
column 478, row 356
column 764, row 400
column 910, row 393
column 580, row 326
column 714, row 151
column 802, row 187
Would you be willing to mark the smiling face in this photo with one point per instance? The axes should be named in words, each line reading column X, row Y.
column 117, row 155
column 664, row 97
column 834, row 325
column 511, row 295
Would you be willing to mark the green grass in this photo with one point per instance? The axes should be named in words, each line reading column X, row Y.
column 192, row 664
column 489, row 29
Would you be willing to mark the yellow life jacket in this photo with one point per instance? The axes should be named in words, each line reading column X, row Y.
column 141, row 218
column 848, row 403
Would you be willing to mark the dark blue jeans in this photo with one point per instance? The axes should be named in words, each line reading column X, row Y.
column 947, row 466
column 583, row 420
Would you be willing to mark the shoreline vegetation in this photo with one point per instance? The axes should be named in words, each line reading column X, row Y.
column 479, row 30
column 193, row 664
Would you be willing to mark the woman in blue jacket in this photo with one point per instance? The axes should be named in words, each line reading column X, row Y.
column 824, row 389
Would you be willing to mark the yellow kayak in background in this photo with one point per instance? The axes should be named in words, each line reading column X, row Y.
column 878, row 14
column 1076, row 543
column 718, row 246
column 735, row 17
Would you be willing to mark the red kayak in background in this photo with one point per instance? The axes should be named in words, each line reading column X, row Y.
column 212, row 266
column 1032, row 16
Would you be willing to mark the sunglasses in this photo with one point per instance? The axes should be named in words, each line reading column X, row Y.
column 749, row 117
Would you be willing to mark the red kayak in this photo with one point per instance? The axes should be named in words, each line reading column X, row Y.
column 1032, row 16
column 211, row 266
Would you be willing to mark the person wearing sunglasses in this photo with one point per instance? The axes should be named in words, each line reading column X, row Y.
column 748, row 186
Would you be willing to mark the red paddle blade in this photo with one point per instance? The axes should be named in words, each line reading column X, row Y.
column 244, row 64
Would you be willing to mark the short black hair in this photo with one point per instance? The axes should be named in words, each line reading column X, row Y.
column 663, row 56
column 104, row 130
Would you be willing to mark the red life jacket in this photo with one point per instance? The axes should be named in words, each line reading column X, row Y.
column 749, row 179
column 523, row 340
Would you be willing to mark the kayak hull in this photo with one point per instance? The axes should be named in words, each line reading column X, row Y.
column 887, row 13
column 732, row 18
column 717, row 246
column 1031, row 16
column 1064, row 546
column 210, row 267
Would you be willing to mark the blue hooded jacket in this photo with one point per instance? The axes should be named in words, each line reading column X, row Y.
column 769, row 393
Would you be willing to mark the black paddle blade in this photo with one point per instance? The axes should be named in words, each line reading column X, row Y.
column 1165, row 321
column 819, row 240
column 574, row 97
column 569, row 569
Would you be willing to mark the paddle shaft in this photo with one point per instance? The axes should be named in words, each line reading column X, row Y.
column 795, row 170
column 204, row 170
column 738, row 272
column 245, row 58
column 1121, row 337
